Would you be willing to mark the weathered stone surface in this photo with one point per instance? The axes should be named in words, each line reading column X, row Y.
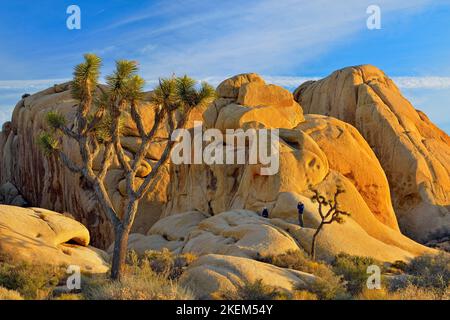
column 348, row 153
column 238, row 233
column 246, row 99
column 217, row 188
column 214, row 274
column 229, row 88
column 45, row 237
column 169, row 233
column 413, row 152
column 244, row 233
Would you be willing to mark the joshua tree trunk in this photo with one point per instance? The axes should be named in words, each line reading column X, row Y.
column 313, row 244
column 120, row 253
column 122, row 231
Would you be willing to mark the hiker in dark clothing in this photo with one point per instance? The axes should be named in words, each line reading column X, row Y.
column 300, row 209
column 265, row 213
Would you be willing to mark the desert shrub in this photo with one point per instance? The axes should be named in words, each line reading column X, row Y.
column 6, row 294
column 256, row 290
column 327, row 285
column 412, row 292
column 166, row 263
column 354, row 271
column 430, row 271
column 426, row 275
column 136, row 284
column 31, row 281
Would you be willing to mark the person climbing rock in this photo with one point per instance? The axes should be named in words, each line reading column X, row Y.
column 300, row 209
column 265, row 213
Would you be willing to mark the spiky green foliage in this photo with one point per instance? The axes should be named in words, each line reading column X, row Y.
column 85, row 76
column 182, row 93
column 134, row 88
column 119, row 81
column 55, row 120
column 164, row 94
column 206, row 94
column 48, row 143
column 103, row 129
column 185, row 91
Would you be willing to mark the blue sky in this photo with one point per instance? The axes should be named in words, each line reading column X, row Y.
column 286, row 41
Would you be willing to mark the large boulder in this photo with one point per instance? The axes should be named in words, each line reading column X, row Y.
column 246, row 100
column 413, row 152
column 41, row 236
column 360, row 166
column 212, row 275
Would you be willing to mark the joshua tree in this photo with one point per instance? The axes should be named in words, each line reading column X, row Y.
column 97, row 125
column 332, row 214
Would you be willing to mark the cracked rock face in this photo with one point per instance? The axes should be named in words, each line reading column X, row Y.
column 412, row 151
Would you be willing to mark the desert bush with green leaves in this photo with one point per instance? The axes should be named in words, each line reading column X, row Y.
column 164, row 262
column 30, row 281
column 354, row 271
column 426, row 273
column 327, row 285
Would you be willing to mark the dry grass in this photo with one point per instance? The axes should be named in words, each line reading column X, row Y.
column 410, row 292
column 151, row 277
column 6, row 294
column 142, row 285
column 256, row 290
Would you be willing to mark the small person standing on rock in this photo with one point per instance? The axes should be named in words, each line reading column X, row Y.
column 300, row 209
column 265, row 213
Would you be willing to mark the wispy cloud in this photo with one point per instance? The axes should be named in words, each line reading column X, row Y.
column 422, row 82
column 259, row 36
column 29, row 84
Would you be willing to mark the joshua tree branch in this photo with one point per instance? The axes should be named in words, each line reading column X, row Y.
column 136, row 116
